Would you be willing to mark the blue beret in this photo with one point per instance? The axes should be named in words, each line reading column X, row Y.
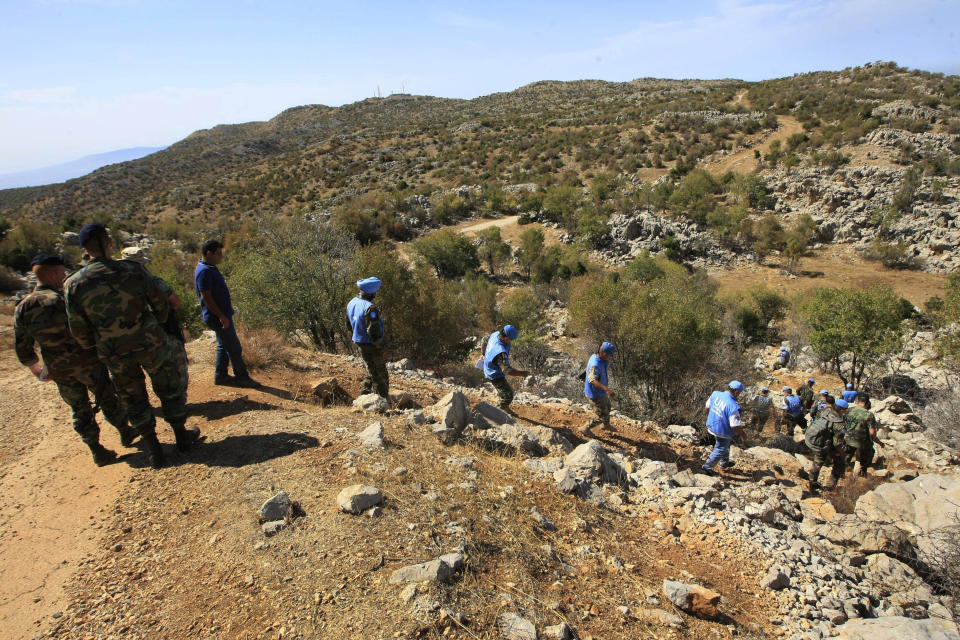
column 841, row 404
column 824, row 392
column 785, row 389
column 511, row 332
column 764, row 389
column 43, row 260
column 90, row 231
column 783, row 348
column 369, row 285
column 608, row 348
column 735, row 385
column 811, row 380
column 849, row 385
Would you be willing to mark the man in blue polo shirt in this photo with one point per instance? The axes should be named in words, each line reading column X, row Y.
column 595, row 386
column 723, row 423
column 218, row 315
column 849, row 394
column 496, row 363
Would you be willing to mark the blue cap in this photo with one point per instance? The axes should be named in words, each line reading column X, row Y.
column 786, row 389
column 840, row 403
column 735, row 385
column 90, row 231
column 783, row 348
column 824, row 392
column 43, row 260
column 511, row 332
column 849, row 385
column 369, row 285
column 608, row 348
column 811, row 380
column 764, row 389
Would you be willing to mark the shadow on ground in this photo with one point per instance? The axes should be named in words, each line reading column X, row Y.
column 232, row 451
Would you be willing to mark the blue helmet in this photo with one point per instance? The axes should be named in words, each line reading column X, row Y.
column 369, row 285
column 849, row 385
column 735, row 385
column 786, row 390
column 511, row 332
column 840, row 403
column 608, row 348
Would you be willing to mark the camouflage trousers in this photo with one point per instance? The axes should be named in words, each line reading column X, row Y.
column 504, row 391
column 377, row 378
column 127, row 373
column 73, row 389
column 835, row 456
column 602, row 407
column 759, row 420
column 180, row 356
column 861, row 452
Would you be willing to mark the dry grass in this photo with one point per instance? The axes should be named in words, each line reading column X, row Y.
column 263, row 348
column 845, row 495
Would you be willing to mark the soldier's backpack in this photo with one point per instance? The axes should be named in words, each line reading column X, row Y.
column 819, row 435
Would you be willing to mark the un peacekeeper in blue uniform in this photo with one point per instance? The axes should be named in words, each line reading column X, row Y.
column 595, row 386
column 496, row 363
column 849, row 394
column 783, row 359
column 792, row 409
column 820, row 405
column 723, row 422
column 366, row 323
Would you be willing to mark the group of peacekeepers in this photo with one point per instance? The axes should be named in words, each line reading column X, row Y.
column 112, row 320
column 842, row 433
column 105, row 326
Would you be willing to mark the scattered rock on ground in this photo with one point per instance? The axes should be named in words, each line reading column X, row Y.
column 278, row 507
column 358, row 498
column 371, row 403
column 513, row 627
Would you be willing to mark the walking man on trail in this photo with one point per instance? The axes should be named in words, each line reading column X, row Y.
column 792, row 410
column 366, row 322
column 848, row 393
column 595, row 386
column 723, row 422
column 820, row 405
column 825, row 439
column 761, row 410
column 172, row 327
column 41, row 319
column 805, row 393
column 117, row 307
column 861, row 426
column 496, row 363
column 218, row 315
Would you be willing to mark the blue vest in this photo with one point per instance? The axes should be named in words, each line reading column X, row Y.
column 601, row 365
column 494, row 348
column 722, row 407
column 794, row 405
column 849, row 396
column 355, row 311
column 784, row 357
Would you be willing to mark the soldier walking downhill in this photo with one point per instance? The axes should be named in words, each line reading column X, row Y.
column 861, row 434
column 595, row 386
column 366, row 322
column 723, row 423
column 825, row 439
column 117, row 307
column 41, row 319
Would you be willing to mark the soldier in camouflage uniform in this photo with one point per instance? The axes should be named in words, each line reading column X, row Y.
column 366, row 324
column 172, row 327
column 117, row 307
column 825, row 437
column 805, row 393
column 41, row 318
column 861, row 427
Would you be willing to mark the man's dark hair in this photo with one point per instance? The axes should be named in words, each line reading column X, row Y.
column 210, row 246
column 830, row 400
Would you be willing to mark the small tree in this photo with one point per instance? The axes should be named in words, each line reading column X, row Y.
column 865, row 323
column 451, row 254
column 531, row 248
column 25, row 240
column 492, row 249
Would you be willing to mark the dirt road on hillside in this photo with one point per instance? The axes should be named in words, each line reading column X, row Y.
column 744, row 161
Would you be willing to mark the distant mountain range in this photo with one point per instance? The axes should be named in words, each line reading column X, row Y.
column 72, row 169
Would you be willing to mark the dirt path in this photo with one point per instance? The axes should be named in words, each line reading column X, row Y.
column 744, row 161
column 53, row 500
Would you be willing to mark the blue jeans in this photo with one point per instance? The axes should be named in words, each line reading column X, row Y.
column 228, row 351
column 721, row 452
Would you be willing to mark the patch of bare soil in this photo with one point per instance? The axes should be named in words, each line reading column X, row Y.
column 129, row 552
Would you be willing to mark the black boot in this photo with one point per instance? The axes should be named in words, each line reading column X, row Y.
column 186, row 438
column 101, row 455
column 127, row 435
column 157, row 459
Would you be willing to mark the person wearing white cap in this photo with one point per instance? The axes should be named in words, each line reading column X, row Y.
column 366, row 323
column 723, row 423
column 762, row 404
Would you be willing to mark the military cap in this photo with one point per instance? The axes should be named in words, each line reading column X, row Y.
column 44, row 260
column 511, row 332
column 841, row 404
column 90, row 231
column 608, row 348
column 735, row 385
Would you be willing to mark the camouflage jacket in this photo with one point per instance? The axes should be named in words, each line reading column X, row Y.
column 806, row 396
column 117, row 307
column 41, row 319
column 859, row 422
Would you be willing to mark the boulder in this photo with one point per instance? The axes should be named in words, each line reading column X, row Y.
column 893, row 404
column 452, row 412
column 437, row 570
column 851, row 531
column 817, row 509
column 693, row 599
column 774, row 458
column 902, row 422
column 372, row 436
column 895, row 628
column 403, row 401
column 278, row 507
column 590, row 461
column 560, row 631
column 371, row 403
column 274, row 527
column 531, row 440
column 681, row 432
column 358, row 498
column 327, row 391
column 775, row 579
column 491, row 414
column 513, row 627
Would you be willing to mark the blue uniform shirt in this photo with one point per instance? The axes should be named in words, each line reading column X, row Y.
column 601, row 365
column 355, row 312
column 208, row 278
column 794, row 405
column 494, row 348
column 849, row 396
column 724, row 414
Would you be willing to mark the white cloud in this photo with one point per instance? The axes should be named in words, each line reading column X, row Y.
column 47, row 95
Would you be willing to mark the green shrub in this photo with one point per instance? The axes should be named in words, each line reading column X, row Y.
column 492, row 249
column 523, row 310
column 449, row 253
column 25, row 240
column 894, row 255
column 177, row 269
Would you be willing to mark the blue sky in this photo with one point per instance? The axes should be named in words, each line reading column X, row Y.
column 87, row 76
